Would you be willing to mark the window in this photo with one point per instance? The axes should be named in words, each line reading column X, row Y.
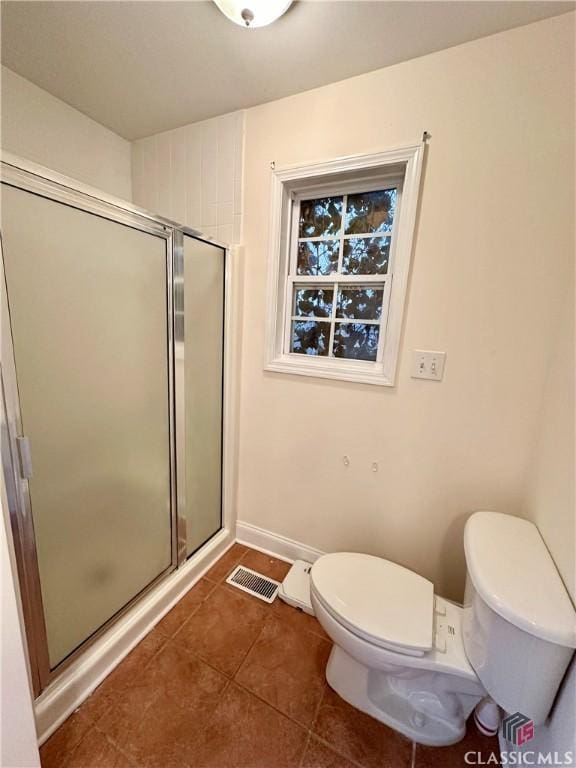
column 341, row 238
column 339, row 265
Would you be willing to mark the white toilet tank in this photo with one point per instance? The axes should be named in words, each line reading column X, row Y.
column 519, row 623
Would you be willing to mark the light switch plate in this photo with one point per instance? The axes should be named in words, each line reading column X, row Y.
column 427, row 364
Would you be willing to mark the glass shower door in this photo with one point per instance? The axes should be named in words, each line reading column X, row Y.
column 88, row 308
column 204, row 272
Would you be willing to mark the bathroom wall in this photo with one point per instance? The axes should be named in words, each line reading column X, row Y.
column 41, row 128
column 493, row 253
column 550, row 500
column 194, row 175
column 557, row 734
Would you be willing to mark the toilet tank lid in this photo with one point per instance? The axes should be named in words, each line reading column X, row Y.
column 513, row 572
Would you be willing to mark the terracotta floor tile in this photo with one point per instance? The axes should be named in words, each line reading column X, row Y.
column 266, row 565
column 453, row 756
column 287, row 668
column 56, row 751
column 227, row 562
column 359, row 736
column 157, row 720
column 96, row 751
column 183, row 609
column 222, row 630
column 297, row 618
column 319, row 755
column 244, row 732
column 122, row 676
column 167, row 705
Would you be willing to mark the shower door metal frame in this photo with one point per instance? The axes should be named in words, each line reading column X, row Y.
column 180, row 397
column 41, row 181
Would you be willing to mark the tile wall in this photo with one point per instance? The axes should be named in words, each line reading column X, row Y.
column 193, row 175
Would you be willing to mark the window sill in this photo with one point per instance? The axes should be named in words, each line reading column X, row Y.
column 357, row 372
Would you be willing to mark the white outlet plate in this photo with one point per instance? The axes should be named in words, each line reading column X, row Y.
column 427, row 364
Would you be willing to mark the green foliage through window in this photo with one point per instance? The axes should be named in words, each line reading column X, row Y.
column 319, row 218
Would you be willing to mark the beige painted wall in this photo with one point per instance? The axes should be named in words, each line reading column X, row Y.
column 41, row 128
column 493, row 252
column 550, row 500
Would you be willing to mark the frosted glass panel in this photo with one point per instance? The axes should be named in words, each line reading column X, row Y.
column 203, row 327
column 88, row 306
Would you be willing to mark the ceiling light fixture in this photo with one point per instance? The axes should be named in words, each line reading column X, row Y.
column 253, row 13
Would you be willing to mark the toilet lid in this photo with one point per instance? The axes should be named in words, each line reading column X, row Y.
column 383, row 602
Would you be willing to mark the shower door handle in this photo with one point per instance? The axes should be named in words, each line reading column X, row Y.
column 25, row 457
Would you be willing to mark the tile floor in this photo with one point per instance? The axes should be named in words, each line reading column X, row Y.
column 227, row 681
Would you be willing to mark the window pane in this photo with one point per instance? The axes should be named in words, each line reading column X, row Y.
column 314, row 302
column 356, row 341
column 310, row 338
column 317, row 258
column 371, row 212
column 319, row 218
column 366, row 256
column 360, row 303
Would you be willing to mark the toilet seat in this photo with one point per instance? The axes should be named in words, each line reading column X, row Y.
column 377, row 600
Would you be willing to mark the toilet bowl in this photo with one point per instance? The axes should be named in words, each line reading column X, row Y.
column 398, row 653
column 418, row 662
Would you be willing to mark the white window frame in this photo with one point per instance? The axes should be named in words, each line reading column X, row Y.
column 399, row 167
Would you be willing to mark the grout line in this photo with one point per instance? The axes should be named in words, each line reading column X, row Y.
column 264, row 701
column 331, row 747
column 68, row 755
column 229, row 678
column 305, row 750
column 193, row 612
column 413, row 763
column 316, row 735
column 115, row 694
column 303, row 631
column 272, row 706
column 228, row 551
column 131, row 759
column 249, row 650
column 315, row 718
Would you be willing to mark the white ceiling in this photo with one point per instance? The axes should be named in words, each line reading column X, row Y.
column 144, row 67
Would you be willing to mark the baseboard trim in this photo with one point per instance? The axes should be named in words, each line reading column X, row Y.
column 79, row 680
column 274, row 544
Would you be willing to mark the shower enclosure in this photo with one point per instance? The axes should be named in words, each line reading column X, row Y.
column 113, row 326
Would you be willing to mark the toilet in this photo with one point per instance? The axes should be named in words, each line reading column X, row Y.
column 420, row 663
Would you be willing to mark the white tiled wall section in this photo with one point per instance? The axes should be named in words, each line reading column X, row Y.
column 194, row 175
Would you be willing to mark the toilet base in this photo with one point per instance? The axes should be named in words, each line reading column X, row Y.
column 427, row 707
